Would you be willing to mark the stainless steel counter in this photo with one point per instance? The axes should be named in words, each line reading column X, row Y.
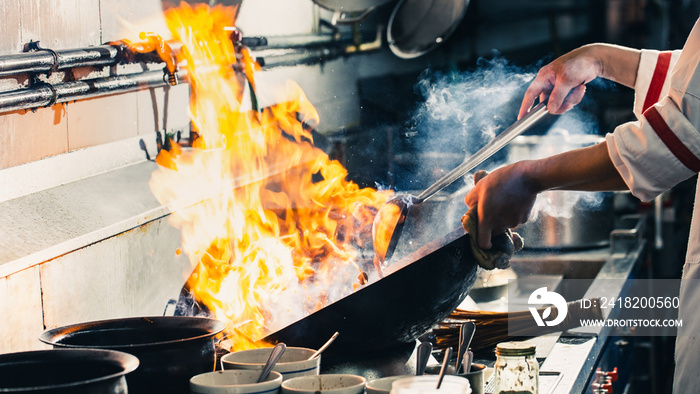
column 575, row 353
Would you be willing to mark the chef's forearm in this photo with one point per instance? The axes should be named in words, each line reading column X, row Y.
column 617, row 63
column 585, row 169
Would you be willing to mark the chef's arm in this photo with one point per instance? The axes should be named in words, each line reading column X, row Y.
column 563, row 81
column 503, row 199
column 618, row 63
column 585, row 169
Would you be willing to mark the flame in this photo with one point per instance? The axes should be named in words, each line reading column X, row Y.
column 272, row 226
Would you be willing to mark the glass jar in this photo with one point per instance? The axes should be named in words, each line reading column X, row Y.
column 516, row 369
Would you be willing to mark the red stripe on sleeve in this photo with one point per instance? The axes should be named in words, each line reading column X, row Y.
column 684, row 155
column 657, row 80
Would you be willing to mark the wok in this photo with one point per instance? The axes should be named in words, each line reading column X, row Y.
column 75, row 371
column 431, row 273
column 418, row 291
column 171, row 349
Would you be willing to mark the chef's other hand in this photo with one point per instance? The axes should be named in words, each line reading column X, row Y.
column 563, row 81
column 503, row 199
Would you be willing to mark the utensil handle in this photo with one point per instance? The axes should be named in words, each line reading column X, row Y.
column 443, row 369
column 324, row 347
column 536, row 113
column 275, row 355
column 424, row 350
column 465, row 337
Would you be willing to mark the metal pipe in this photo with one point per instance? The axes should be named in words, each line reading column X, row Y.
column 308, row 57
column 47, row 60
column 45, row 94
column 303, row 41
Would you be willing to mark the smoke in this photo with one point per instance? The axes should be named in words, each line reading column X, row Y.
column 461, row 112
column 561, row 204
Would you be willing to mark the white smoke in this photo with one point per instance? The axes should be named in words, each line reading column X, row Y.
column 463, row 111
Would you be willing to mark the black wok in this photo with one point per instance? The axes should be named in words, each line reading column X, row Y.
column 171, row 349
column 418, row 291
column 74, row 371
column 432, row 271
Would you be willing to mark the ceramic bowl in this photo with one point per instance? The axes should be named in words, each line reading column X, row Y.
column 235, row 382
column 383, row 385
column 427, row 384
column 475, row 378
column 325, row 384
column 294, row 361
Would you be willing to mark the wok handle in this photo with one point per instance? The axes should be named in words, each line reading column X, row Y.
column 526, row 122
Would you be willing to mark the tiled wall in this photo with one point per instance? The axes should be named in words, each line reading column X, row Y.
column 27, row 136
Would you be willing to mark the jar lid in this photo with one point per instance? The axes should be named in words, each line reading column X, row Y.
column 515, row 349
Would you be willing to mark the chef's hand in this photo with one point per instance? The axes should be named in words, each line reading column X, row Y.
column 503, row 200
column 563, row 81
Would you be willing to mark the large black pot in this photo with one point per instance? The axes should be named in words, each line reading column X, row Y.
column 75, row 371
column 419, row 290
column 171, row 349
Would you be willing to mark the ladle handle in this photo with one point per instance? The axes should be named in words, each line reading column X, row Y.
column 275, row 355
column 536, row 113
column 424, row 350
column 443, row 369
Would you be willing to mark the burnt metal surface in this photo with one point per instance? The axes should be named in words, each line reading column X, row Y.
column 171, row 349
column 75, row 371
column 421, row 290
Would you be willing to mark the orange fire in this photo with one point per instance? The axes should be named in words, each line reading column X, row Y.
column 270, row 223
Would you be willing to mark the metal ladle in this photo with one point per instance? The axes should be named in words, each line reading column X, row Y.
column 392, row 214
column 275, row 355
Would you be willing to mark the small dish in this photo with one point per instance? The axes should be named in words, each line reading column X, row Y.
column 326, row 384
column 475, row 378
column 427, row 384
column 383, row 385
column 294, row 361
column 235, row 382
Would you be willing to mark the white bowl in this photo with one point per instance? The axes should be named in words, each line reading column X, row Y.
column 383, row 385
column 235, row 382
column 293, row 363
column 426, row 384
column 326, row 384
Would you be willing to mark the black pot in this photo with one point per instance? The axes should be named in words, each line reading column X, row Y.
column 171, row 349
column 79, row 371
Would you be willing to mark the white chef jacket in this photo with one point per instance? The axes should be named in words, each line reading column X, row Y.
column 659, row 150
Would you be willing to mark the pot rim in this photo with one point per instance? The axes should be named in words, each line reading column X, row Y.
column 126, row 361
column 54, row 336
